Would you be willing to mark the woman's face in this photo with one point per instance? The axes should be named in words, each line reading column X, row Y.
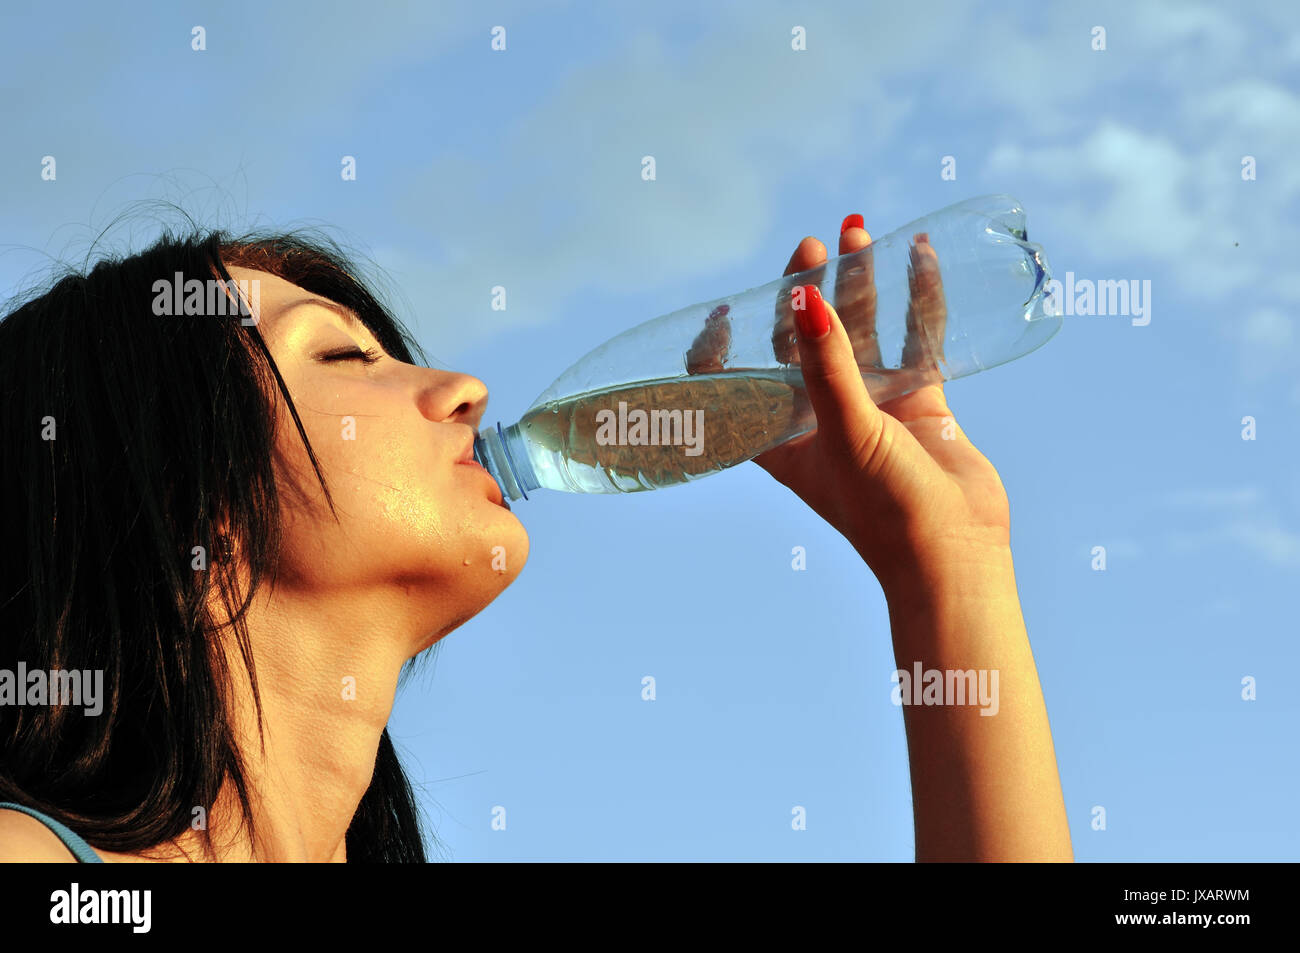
column 421, row 533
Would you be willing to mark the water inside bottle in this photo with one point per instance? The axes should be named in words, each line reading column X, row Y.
column 588, row 443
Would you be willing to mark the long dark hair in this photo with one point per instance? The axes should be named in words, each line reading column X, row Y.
column 126, row 440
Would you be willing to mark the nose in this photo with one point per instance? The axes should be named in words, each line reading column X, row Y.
column 457, row 398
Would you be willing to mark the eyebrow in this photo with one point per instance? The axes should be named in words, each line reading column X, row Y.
column 349, row 318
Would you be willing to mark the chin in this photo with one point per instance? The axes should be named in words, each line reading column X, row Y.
column 502, row 545
column 433, row 638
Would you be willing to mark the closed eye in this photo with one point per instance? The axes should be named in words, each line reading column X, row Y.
column 368, row 356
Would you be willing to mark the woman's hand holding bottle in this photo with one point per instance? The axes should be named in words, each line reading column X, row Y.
column 901, row 481
column 929, row 515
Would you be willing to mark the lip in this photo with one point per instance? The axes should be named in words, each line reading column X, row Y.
column 467, row 455
column 471, row 462
column 466, row 459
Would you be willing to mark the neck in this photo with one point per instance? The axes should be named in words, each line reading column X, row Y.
column 327, row 671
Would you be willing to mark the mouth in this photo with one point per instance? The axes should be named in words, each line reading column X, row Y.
column 467, row 460
column 467, row 452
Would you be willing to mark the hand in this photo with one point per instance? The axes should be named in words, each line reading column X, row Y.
column 901, row 481
column 929, row 515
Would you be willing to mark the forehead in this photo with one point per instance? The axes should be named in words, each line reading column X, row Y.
column 275, row 293
column 275, row 297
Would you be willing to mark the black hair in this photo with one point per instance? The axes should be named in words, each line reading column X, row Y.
column 126, row 440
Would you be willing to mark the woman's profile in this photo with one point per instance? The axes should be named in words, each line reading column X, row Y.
column 190, row 513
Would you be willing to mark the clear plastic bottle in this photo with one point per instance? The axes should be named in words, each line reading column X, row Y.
column 715, row 384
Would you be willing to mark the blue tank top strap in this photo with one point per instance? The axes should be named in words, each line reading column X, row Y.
column 80, row 849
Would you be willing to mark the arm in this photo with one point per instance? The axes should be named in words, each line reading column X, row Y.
column 929, row 515
column 984, row 787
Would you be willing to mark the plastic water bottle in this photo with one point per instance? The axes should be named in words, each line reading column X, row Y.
column 715, row 384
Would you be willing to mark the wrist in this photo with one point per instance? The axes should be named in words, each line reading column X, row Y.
column 906, row 564
column 956, row 571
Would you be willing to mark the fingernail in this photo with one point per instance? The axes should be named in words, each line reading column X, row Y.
column 922, row 238
column 852, row 221
column 811, row 320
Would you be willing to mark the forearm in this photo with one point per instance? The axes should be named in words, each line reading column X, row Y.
column 984, row 786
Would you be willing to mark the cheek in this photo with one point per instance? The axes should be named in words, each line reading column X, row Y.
column 403, row 507
column 396, row 492
column 385, row 479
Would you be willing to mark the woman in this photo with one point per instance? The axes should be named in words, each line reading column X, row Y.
column 253, row 523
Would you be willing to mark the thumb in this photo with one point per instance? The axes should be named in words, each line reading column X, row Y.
column 846, row 415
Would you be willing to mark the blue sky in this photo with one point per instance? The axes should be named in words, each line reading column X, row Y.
column 521, row 168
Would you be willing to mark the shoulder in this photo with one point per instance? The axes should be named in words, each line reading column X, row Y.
column 24, row 838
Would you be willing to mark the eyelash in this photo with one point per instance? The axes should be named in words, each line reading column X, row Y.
column 368, row 356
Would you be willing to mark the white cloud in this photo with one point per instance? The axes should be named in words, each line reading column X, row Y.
column 1216, row 497
column 1123, row 547
column 1273, row 543
column 1264, row 539
column 738, row 124
column 1293, row 48
column 1268, row 341
column 1236, row 517
column 1166, row 199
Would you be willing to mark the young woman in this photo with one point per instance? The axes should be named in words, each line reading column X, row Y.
column 253, row 523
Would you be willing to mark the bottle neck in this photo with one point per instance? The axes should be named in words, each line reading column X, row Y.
column 503, row 454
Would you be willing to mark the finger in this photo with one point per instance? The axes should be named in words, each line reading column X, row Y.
column 846, row 415
column 708, row 352
column 809, row 256
column 855, row 291
column 927, row 310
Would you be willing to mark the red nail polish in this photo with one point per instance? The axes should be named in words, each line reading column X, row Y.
column 852, row 221
column 812, row 321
